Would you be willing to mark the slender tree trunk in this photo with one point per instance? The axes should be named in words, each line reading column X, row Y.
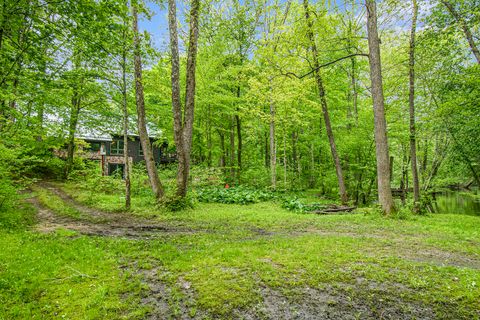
column 232, row 149
column 312, row 165
column 423, row 166
column 209, row 136
column 183, row 126
column 284, row 160
column 391, row 168
column 222, row 147
column 266, row 150
column 404, row 178
column 125, row 127
column 381, row 141
column 273, row 151
column 323, row 101
column 466, row 30
column 72, row 128
column 142, row 126
column 239, row 138
column 295, row 160
column 239, row 146
column 411, row 102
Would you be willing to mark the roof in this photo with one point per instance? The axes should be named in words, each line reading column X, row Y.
column 95, row 138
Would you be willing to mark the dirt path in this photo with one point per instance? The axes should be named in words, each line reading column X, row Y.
column 96, row 222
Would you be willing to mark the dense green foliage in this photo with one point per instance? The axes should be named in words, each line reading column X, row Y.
column 60, row 77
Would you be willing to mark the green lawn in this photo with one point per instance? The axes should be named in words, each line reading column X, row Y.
column 233, row 261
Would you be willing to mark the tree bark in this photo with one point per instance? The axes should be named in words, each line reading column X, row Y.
column 381, row 141
column 239, row 138
column 72, row 128
column 284, row 160
column 222, row 146
column 74, row 113
column 209, row 136
column 142, row 126
column 323, row 102
column 183, row 126
column 411, row 102
column 466, row 30
column 232, row 149
column 125, row 126
column 239, row 145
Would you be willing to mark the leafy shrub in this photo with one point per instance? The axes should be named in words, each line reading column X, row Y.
column 237, row 195
column 175, row 203
column 8, row 194
column 140, row 185
column 293, row 205
column 51, row 167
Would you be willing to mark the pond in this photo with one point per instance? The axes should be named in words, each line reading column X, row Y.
column 460, row 202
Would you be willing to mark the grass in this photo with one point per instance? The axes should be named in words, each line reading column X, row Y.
column 56, row 204
column 234, row 255
column 59, row 275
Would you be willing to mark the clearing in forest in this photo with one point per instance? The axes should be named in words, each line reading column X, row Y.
column 240, row 262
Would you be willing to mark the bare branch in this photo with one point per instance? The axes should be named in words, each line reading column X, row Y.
column 289, row 74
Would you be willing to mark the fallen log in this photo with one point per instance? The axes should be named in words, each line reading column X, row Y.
column 334, row 210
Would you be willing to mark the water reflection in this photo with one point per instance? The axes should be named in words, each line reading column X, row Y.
column 460, row 202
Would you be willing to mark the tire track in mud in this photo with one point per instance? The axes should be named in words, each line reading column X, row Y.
column 96, row 222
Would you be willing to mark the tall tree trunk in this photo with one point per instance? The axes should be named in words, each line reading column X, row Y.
column 183, row 128
column 266, row 150
column 239, row 138
column 142, row 126
column 273, row 151
column 411, row 102
column 424, row 162
column 239, row 146
column 232, row 149
column 222, row 147
column 466, row 30
column 125, row 126
column 284, row 159
column 323, row 101
column 312, row 165
column 75, row 107
column 294, row 151
column 209, row 136
column 381, row 141
column 72, row 128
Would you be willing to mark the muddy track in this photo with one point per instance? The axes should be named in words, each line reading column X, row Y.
column 96, row 222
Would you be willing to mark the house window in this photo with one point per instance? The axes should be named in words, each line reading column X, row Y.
column 94, row 147
column 116, row 147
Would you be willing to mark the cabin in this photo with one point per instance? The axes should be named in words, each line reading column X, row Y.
column 109, row 152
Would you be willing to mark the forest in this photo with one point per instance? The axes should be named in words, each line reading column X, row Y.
column 240, row 159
